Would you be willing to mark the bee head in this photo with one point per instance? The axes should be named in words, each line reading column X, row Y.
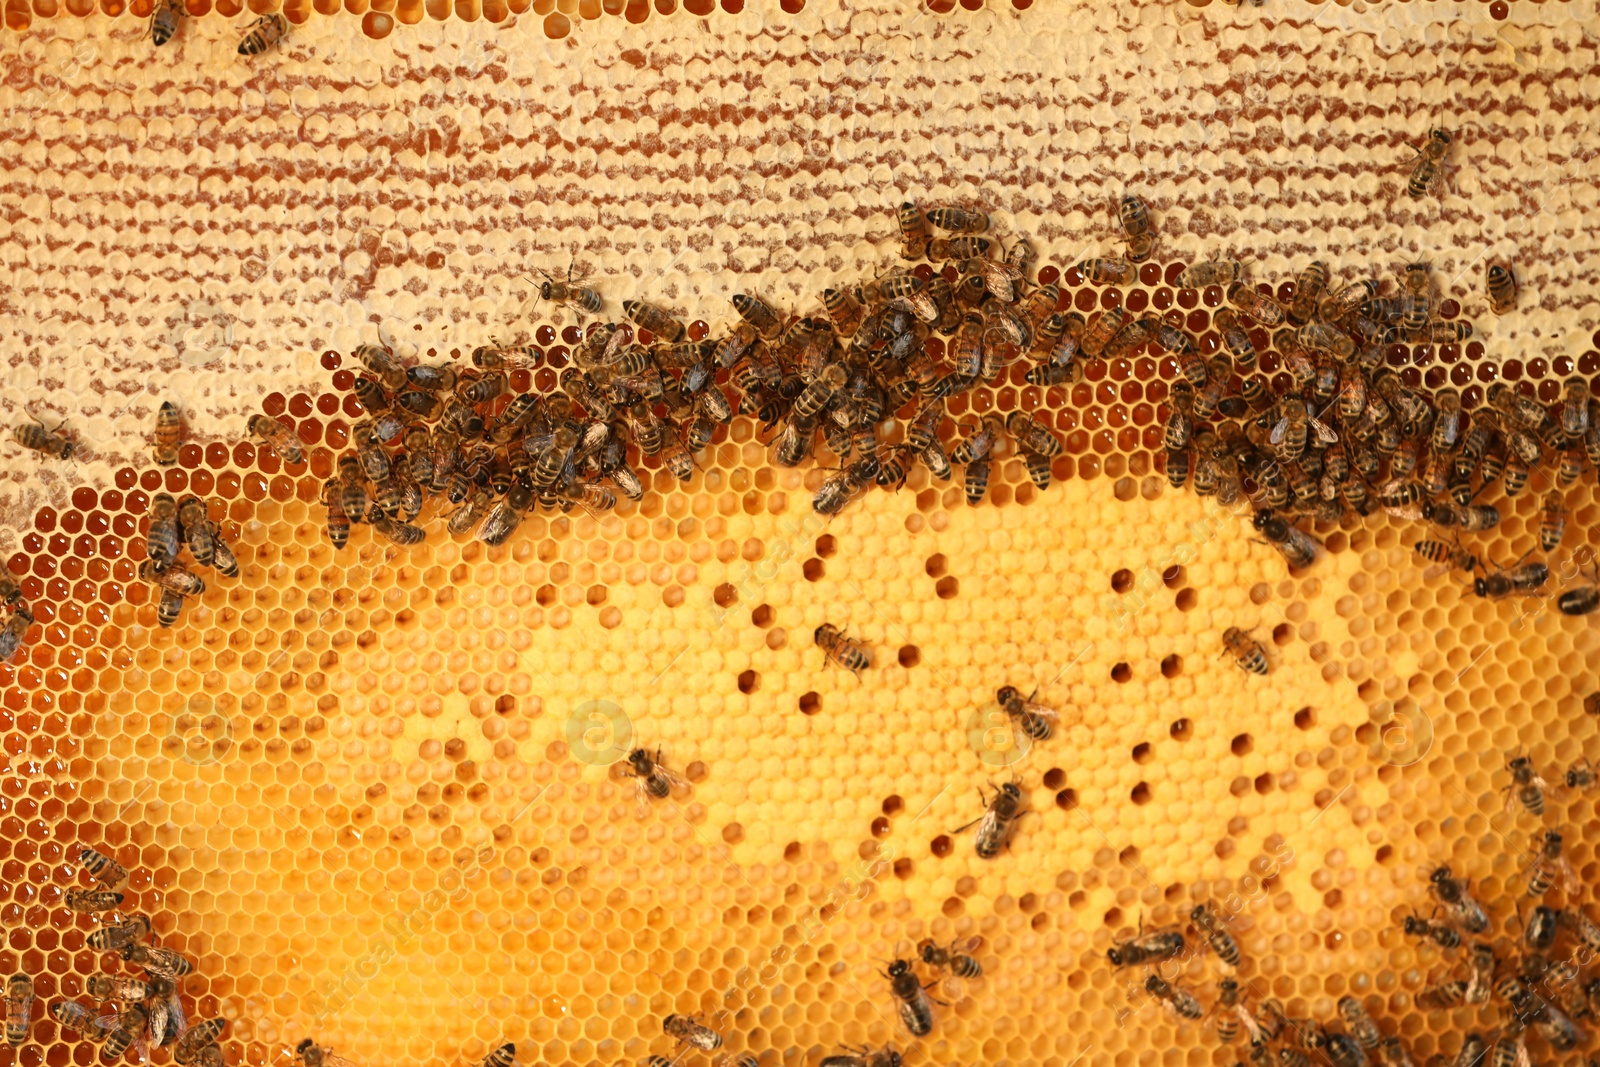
column 899, row 967
column 1007, row 694
column 1441, row 874
column 1480, row 587
column 1012, row 790
column 1114, row 956
column 1197, row 913
column 303, row 1045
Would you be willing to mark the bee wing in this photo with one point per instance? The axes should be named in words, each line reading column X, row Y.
column 673, row 777
column 1323, row 432
column 969, row 945
column 1048, row 714
column 180, row 1022
column 1278, row 431
column 1569, row 877
column 641, row 805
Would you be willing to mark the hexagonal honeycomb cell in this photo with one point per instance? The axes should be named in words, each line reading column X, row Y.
column 377, row 794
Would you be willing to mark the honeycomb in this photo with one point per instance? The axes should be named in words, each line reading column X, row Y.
column 558, row 19
column 426, row 743
column 373, row 793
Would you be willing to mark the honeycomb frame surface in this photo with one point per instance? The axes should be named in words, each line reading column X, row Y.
column 500, row 883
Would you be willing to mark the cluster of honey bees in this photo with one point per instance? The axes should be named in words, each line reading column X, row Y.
column 1537, row 983
column 260, row 35
column 145, row 1011
column 1348, row 436
column 642, row 389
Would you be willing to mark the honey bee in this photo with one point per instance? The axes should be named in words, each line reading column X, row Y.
column 1236, row 338
column 1342, row 1050
column 103, row 987
column 15, row 631
column 1472, row 1052
column 160, row 962
column 1245, row 650
column 49, row 442
column 1392, row 1052
column 1032, row 435
column 1442, row 996
column 1035, row 720
column 1582, row 600
column 1231, row 1013
column 649, row 317
column 958, row 220
column 965, row 247
column 1288, row 437
column 690, row 1032
column 1256, row 305
column 1180, row 1001
column 397, row 532
column 1135, row 219
column 1223, row 272
column 953, row 958
column 102, row 868
column 89, row 901
column 129, row 1027
column 837, row 648
column 758, row 313
column 1575, row 408
column 1299, row 549
column 886, row 1057
column 1178, row 465
column 279, row 437
column 913, row 231
column 1130, row 337
column 312, row 1054
column 1108, row 271
column 163, row 25
column 1552, row 520
column 1221, row 942
column 576, row 296
column 1348, row 300
column 1430, row 158
column 1457, row 902
column 1549, row 866
column 1482, row 962
column 1109, row 324
column 1539, row 932
column 1557, row 1028
column 911, row 998
column 19, row 1008
column 262, row 34
column 1453, row 555
column 1320, row 336
column 1270, row 1019
column 1309, row 285
column 1524, row 580
column 120, row 936
column 201, row 1034
column 169, row 434
column 998, row 821
column 484, row 388
column 1501, row 285
column 173, row 579
column 1440, row 934
column 1471, row 518
column 70, row 1015
column 1146, row 949
column 842, row 487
